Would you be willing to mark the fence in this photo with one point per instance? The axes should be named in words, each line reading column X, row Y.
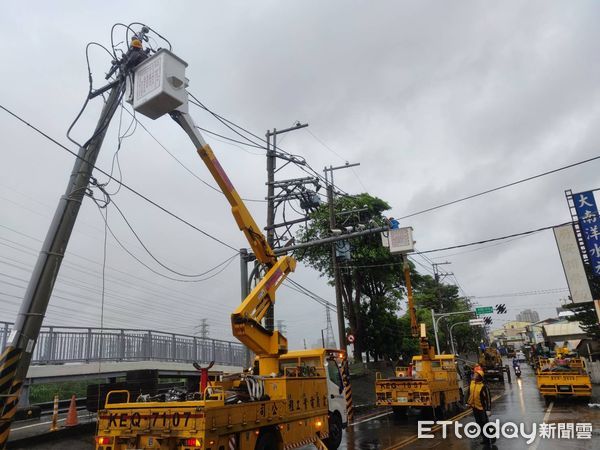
column 59, row 345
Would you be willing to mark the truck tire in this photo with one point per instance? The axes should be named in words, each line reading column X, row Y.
column 441, row 410
column 266, row 441
column 334, row 439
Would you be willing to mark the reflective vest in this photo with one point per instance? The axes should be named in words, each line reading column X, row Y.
column 475, row 395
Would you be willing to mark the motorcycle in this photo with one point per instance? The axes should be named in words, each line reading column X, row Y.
column 517, row 371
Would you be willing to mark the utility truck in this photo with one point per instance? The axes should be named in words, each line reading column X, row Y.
column 490, row 361
column 432, row 383
column 563, row 377
column 290, row 398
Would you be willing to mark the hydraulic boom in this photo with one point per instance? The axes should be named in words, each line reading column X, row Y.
column 245, row 320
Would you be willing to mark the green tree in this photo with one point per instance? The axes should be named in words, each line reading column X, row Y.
column 585, row 314
column 371, row 282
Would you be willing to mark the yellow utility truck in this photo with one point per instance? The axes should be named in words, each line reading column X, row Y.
column 289, row 399
column 432, row 383
column 563, row 377
column 490, row 361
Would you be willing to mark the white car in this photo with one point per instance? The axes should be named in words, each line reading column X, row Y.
column 520, row 356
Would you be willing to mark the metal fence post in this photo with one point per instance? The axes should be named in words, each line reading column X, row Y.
column 88, row 347
column 214, row 351
column 195, row 352
column 173, row 348
column 5, row 335
column 122, row 346
column 149, row 344
column 230, row 355
column 50, row 354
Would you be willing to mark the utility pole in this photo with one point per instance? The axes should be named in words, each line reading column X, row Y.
column 271, row 168
column 245, row 258
column 436, row 276
column 334, row 263
column 16, row 357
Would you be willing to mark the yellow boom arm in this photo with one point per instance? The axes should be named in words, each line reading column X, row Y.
column 245, row 321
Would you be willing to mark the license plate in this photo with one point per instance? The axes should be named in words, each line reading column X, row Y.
column 402, row 399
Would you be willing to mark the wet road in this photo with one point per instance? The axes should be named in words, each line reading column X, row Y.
column 518, row 402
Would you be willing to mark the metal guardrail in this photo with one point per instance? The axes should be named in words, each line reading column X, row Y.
column 60, row 345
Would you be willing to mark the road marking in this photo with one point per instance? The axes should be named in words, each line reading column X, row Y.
column 546, row 417
column 372, row 418
column 459, row 416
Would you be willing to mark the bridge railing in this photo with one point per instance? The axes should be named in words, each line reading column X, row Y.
column 59, row 345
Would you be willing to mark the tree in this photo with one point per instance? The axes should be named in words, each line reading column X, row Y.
column 371, row 282
column 585, row 314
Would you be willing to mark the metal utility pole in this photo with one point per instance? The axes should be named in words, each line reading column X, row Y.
column 271, row 167
column 16, row 357
column 334, row 263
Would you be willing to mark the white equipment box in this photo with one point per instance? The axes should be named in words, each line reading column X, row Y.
column 399, row 240
column 159, row 84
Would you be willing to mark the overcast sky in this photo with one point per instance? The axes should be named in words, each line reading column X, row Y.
column 436, row 100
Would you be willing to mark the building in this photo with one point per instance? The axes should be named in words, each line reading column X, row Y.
column 528, row 315
column 512, row 333
column 564, row 331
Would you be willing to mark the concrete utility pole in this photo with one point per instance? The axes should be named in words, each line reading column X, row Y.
column 271, row 167
column 16, row 357
column 334, row 263
column 245, row 258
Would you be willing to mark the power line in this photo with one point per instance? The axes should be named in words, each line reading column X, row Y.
column 224, row 264
column 303, row 290
column 155, row 258
column 127, row 283
column 130, row 189
column 524, row 293
column 501, row 187
column 181, row 163
column 320, row 141
column 524, row 233
column 298, row 160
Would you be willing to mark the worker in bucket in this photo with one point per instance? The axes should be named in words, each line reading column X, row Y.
column 480, row 400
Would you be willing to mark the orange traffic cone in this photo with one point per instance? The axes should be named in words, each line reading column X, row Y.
column 72, row 419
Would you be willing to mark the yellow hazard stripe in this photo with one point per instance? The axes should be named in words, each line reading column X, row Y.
column 9, row 390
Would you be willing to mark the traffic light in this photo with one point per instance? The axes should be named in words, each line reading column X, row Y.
column 487, row 320
column 501, row 309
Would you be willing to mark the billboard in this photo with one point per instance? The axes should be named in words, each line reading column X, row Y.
column 587, row 215
column 572, row 263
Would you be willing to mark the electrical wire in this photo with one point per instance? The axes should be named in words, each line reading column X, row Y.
column 187, row 169
column 310, row 294
column 90, row 272
column 224, row 263
column 524, row 233
column 130, row 189
column 523, row 180
column 155, row 258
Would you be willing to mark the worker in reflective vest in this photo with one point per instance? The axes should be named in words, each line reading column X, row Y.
column 480, row 400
